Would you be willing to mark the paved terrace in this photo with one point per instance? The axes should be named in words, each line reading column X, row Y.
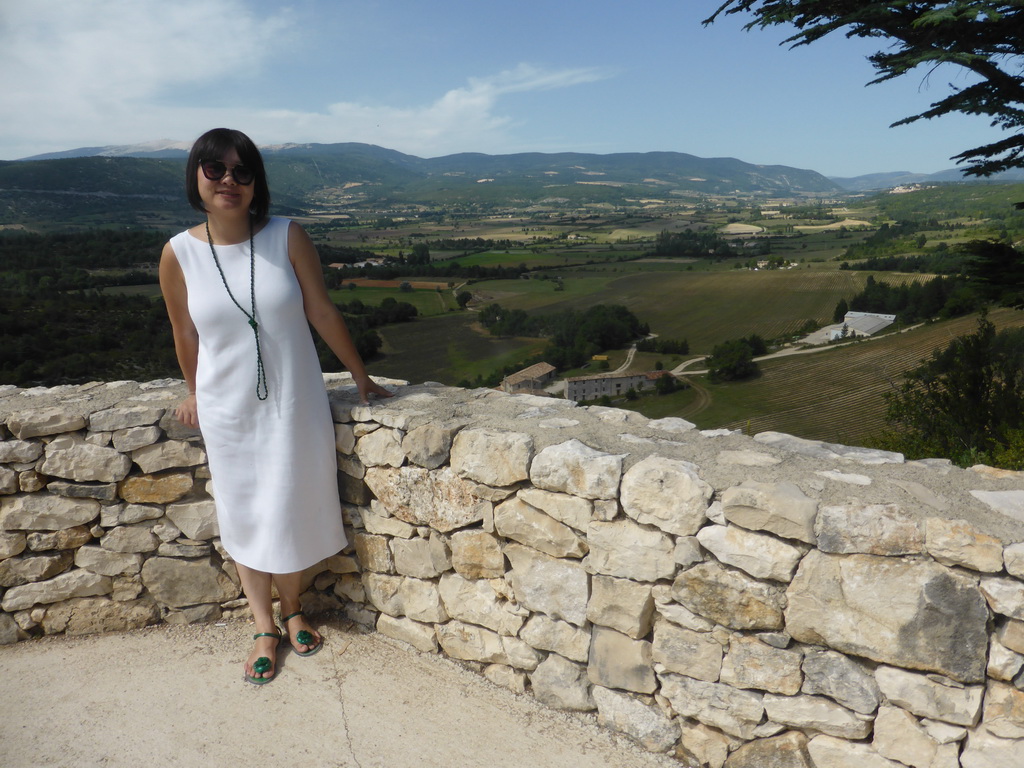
column 174, row 696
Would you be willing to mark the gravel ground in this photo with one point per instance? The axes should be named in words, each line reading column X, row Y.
column 174, row 696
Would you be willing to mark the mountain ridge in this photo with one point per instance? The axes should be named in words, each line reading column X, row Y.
column 679, row 164
column 128, row 185
column 172, row 149
column 336, row 177
column 873, row 182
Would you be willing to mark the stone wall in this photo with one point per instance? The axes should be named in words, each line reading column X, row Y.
column 734, row 601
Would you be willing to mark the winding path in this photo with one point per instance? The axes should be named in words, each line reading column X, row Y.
column 628, row 362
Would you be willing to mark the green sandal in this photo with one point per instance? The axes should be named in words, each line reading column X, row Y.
column 303, row 637
column 263, row 663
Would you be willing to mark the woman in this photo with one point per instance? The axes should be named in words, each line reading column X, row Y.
column 241, row 291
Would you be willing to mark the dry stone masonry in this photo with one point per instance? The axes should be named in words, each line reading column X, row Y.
column 740, row 602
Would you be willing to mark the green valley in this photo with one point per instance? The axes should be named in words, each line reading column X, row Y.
column 693, row 265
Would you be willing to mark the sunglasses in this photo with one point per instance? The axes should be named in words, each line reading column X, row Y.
column 215, row 170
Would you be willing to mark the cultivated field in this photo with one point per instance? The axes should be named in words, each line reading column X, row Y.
column 706, row 308
column 538, row 258
column 448, row 349
column 579, row 261
column 834, row 395
column 427, row 300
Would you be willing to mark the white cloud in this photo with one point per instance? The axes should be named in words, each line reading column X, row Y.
column 462, row 119
column 94, row 71
column 98, row 72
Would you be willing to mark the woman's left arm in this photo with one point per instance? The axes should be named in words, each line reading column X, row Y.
column 321, row 312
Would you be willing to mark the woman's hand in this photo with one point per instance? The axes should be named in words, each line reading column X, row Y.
column 367, row 387
column 187, row 412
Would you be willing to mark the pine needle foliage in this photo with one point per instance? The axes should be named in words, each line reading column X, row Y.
column 983, row 37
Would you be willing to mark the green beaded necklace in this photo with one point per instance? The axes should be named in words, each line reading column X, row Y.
column 261, row 376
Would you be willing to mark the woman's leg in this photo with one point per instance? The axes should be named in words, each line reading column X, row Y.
column 256, row 585
column 288, row 586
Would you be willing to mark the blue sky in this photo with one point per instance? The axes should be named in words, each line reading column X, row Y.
column 453, row 76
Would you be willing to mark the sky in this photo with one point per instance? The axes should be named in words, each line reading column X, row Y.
column 432, row 79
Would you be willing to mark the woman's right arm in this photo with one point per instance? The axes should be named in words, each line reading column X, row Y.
column 186, row 337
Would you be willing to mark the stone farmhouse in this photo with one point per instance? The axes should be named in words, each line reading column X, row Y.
column 580, row 388
column 530, row 380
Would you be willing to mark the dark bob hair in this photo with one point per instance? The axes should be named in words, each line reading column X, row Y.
column 213, row 145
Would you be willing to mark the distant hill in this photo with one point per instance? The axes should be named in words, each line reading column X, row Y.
column 325, row 176
column 150, row 149
column 874, row 181
column 654, row 169
column 355, row 163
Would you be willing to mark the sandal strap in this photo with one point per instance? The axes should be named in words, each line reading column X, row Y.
column 286, row 619
column 275, row 635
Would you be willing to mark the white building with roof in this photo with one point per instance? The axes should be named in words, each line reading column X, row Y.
column 861, row 324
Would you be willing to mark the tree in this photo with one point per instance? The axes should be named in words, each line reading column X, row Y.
column 463, row 298
column 420, row 254
column 984, row 37
column 731, row 361
column 998, row 271
column 666, row 384
column 758, row 346
column 964, row 403
column 841, row 309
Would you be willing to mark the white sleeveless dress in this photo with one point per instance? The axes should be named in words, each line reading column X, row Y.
column 273, row 461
